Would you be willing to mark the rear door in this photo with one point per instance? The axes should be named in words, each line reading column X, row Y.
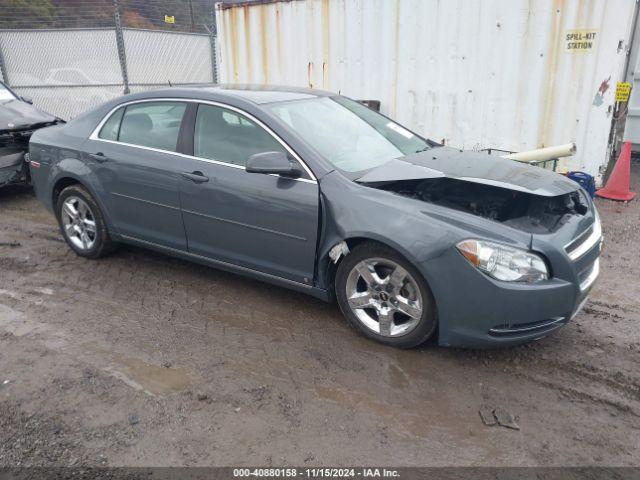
column 133, row 156
column 263, row 222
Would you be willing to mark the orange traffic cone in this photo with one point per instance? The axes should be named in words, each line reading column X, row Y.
column 617, row 187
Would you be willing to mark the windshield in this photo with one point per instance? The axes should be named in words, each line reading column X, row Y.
column 5, row 94
column 349, row 135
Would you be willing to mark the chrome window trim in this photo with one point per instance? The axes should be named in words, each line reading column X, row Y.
column 96, row 131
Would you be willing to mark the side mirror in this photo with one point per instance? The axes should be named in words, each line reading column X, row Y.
column 28, row 100
column 273, row 163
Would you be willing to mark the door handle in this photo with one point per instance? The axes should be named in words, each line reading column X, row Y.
column 99, row 157
column 196, row 177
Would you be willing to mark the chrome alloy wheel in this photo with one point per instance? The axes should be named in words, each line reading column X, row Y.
column 384, row 297
column 79, row 223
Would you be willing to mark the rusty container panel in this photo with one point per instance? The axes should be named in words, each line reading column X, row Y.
column 508, row 74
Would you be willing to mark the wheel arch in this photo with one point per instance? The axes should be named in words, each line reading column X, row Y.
column 60, row 184
column 354, row 242
column 328, row 267
column 66, row 179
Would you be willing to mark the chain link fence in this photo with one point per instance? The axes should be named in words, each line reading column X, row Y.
column 66, row 71
column 168, row 15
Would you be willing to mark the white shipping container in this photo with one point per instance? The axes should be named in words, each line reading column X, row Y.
column 507, row 74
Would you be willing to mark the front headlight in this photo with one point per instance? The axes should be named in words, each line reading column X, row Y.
column 504, row 263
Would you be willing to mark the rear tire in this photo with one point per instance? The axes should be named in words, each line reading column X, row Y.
column 385, row 297
column 82, row 223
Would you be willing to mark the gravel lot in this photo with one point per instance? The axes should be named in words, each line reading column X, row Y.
column 141, row 359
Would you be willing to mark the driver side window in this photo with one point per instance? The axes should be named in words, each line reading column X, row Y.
column 227, row 136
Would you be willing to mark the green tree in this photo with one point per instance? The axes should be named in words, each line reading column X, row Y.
column 25, row 13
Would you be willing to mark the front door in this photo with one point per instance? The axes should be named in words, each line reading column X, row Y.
column 134, row 160
column 263, row 222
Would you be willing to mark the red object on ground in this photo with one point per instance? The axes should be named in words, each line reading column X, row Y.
column 617, row 187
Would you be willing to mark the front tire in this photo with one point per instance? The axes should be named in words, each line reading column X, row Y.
column 385, row 297
column 82, row 223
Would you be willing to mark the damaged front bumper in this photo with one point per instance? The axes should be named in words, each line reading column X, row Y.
column 478, row 311
column 13, row 168
column 14, row 145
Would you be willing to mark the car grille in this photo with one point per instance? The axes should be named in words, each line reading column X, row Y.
column 585, row 241
column 589, row 275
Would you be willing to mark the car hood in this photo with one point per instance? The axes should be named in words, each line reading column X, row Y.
column 16, row 115
column 473, row 167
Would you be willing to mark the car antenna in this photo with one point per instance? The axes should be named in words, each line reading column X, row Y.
column 169, row 81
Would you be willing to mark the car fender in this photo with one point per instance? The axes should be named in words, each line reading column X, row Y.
column 341, row 223
column 416, row 230
column 76, row 169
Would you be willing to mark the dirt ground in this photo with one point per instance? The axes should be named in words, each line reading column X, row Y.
column 140, row 359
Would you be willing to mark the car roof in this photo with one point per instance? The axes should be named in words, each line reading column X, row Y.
column 258, row 94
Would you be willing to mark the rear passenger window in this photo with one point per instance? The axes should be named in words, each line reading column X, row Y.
column 109, row 130
column 152, row 124
column 229, row 137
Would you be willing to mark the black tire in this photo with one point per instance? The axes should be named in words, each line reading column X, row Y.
column 102, row 244
column 427, row 322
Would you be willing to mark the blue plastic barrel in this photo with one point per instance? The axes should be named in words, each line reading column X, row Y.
column 586, row 180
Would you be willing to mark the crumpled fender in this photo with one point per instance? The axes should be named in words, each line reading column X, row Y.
column 417, row 230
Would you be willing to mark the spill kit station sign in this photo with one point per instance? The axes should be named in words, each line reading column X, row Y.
column 580, row 41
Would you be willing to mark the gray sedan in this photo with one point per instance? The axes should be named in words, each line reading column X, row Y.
column 315, row 192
